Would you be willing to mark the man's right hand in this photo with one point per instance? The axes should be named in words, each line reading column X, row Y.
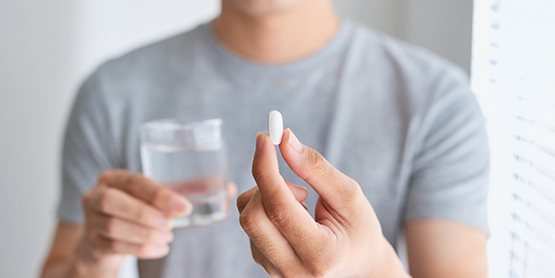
column 126, row 213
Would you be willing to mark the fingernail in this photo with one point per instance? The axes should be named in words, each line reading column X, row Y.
column 294, row 142
column 181, row 206
column 161, row 249
column 189, row 208
column 163, row 221
column 178, row 205
column 300, row 186
column 259, row 141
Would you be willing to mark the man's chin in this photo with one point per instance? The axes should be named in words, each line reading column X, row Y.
column 262, row 7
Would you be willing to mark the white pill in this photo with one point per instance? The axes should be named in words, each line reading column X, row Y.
column 275, row 126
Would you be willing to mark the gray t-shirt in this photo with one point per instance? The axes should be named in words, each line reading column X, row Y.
column 399, row 120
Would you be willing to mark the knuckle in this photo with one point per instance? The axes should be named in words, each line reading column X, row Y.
column 142, row 235
column 319, row 272
column 318, row 162
column 105, row 200
column 320, row 268
column 86, row 199
column 90, row 233
column 260, row 173
column 114, row 246
column 110, row 226
column 249, row 222
column 256, row 171
column 133, row 181
column 354, row 188
column 278, row 214
column 135, row 178
column 269, row 267
column 143, row 215
column 159, row 196
column 271, row 270
column 352, row 191
column 143, row 251
column 150, row 236
column 104, row 177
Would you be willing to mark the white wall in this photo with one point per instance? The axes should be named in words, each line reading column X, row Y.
column 48, row 47
column 35, row 43
column 444, row 27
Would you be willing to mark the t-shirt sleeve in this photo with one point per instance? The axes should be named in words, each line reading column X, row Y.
column 450, row 171
column 88, row 149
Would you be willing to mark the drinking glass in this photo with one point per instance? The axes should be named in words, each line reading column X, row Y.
column 191, row 159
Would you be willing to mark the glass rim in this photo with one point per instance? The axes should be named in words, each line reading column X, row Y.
column 176, row 124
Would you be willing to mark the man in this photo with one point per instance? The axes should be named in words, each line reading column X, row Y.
column 403, row 138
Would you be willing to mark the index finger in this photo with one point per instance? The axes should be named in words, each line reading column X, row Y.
column 281, row 206
column 147, row 190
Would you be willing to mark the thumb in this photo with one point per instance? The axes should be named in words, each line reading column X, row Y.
column 334, row 187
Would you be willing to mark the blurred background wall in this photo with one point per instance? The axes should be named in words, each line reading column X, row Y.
column 47, row 48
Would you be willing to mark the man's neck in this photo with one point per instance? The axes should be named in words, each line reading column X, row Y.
column 277, row 38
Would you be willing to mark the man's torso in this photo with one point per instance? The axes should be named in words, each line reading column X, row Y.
column 356, row 101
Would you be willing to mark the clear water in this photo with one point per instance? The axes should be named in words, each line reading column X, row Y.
column 198, row 175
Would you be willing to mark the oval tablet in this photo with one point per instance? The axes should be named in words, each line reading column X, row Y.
column 275, row 126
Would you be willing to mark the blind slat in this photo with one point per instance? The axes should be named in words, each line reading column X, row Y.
column 513, row 76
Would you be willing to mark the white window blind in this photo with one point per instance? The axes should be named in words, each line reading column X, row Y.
column 513, row 76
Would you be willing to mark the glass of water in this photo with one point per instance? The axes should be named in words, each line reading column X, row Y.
column 191, row 159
